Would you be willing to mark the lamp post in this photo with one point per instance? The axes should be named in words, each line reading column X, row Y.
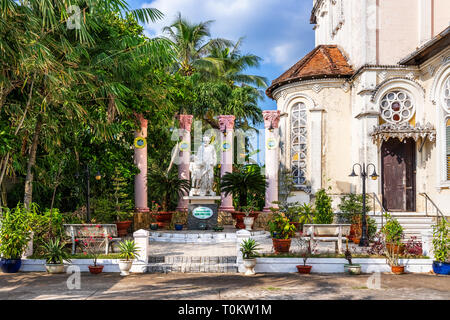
column 88, row 190
column 364, row 171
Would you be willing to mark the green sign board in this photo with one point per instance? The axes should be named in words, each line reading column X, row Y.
column 202, row 213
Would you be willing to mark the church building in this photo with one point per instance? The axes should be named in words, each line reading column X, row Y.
column 375, row 90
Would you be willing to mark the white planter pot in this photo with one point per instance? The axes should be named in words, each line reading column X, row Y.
column 54, row 268
column 354, row 269
column 249, row 265
column 125, row 267
column 248, row 221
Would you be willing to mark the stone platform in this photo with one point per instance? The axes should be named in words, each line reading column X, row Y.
column 202, row 237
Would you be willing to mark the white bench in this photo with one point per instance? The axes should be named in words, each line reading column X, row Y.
column 100, row 232
column 327, row 233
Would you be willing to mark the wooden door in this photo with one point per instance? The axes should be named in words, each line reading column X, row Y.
column 399, row 180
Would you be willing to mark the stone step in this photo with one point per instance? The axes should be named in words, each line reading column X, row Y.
column 192, row 264
column 201, row 237
column 192, row 268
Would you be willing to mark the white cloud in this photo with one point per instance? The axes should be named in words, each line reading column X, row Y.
column 273, row 29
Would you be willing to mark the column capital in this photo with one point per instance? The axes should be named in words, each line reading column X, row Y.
column 226, row 122
column 185, row 121
column 271, row 119
column 142, row 121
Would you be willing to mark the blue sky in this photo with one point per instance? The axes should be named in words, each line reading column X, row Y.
column 276, row 30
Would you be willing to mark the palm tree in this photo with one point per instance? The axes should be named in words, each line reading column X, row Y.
column 243, row 183
column 192, row 44
column 167, row 187
column 233, row 64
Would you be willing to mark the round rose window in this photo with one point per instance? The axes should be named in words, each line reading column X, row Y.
column 396, row 107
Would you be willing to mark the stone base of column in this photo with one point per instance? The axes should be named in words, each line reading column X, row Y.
column 267, row 209
column 227, row 209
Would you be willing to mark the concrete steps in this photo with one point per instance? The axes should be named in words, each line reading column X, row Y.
column 201, row 237
column 413, row 223
column 188, row 264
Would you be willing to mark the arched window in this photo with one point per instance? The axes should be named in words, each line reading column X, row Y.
column 447, row 132
column 446, row 104
column 397, row 107
column 299, row 136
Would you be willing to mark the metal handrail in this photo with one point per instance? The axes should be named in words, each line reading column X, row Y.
column 383, row 210
column 438, row 211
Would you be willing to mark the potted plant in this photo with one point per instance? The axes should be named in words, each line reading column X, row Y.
column 91, row 246
column 324, row 212
column 128, row 252
column 168, row 188
column 241, row 184
column 55, row 254
column 306, row 251
column 249, row 250
column 441, row 247
column 351, row 207
column 179, row 219
column 282, row 232
column 353, row 269
column 393, row 233
column 122, row 205
column 15, row 233
column 249, row 219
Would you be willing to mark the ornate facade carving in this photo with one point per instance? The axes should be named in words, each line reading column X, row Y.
column 226, row 122
column 185, row 121
column 271, row 119
column 403, row 131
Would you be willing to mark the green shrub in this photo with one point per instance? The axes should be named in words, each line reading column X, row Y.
column 15, row 232
column 392, row 230
column 280, row 226
column 55, row 252
column 324, row 211
column 441, row 241
column 249, row 249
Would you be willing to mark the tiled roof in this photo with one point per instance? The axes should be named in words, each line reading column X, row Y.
column 325, row 61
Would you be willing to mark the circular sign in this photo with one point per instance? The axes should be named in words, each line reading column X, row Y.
column 184, row 146
column 226, row 146
column 140, row 143
column 202, row 213
column 271, row 144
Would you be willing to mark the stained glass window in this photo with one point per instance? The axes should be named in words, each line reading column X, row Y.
column 299, row 136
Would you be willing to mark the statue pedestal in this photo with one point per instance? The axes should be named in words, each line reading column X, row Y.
column 203, row 212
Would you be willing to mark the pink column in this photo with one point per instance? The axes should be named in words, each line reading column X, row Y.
column 140, row 160
column 185, row 154
column 227, row 128
column 271, row 123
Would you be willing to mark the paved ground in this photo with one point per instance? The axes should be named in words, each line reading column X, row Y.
column 41, row 286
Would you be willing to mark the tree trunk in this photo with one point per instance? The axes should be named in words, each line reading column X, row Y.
column 31, row 162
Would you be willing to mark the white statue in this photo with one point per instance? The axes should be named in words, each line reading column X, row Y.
column 202, row 170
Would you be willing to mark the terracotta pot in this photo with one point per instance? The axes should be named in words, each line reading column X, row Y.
column 95, row 269
column 281, row 245
column 122, row 228
column 398, row 269
column 356, row 240
column 239, row 217
column 163, row 219
column 304, row 269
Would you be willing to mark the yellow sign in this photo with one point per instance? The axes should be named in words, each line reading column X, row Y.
column 140, row 143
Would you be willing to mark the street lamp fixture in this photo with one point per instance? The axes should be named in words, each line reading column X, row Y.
column 363, row 169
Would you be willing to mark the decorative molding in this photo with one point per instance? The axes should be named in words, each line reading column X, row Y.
column 386, row 82
column 403, row 131
column 308, row 85
column 185, row 121
column 226, row 122
column 271, row 119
